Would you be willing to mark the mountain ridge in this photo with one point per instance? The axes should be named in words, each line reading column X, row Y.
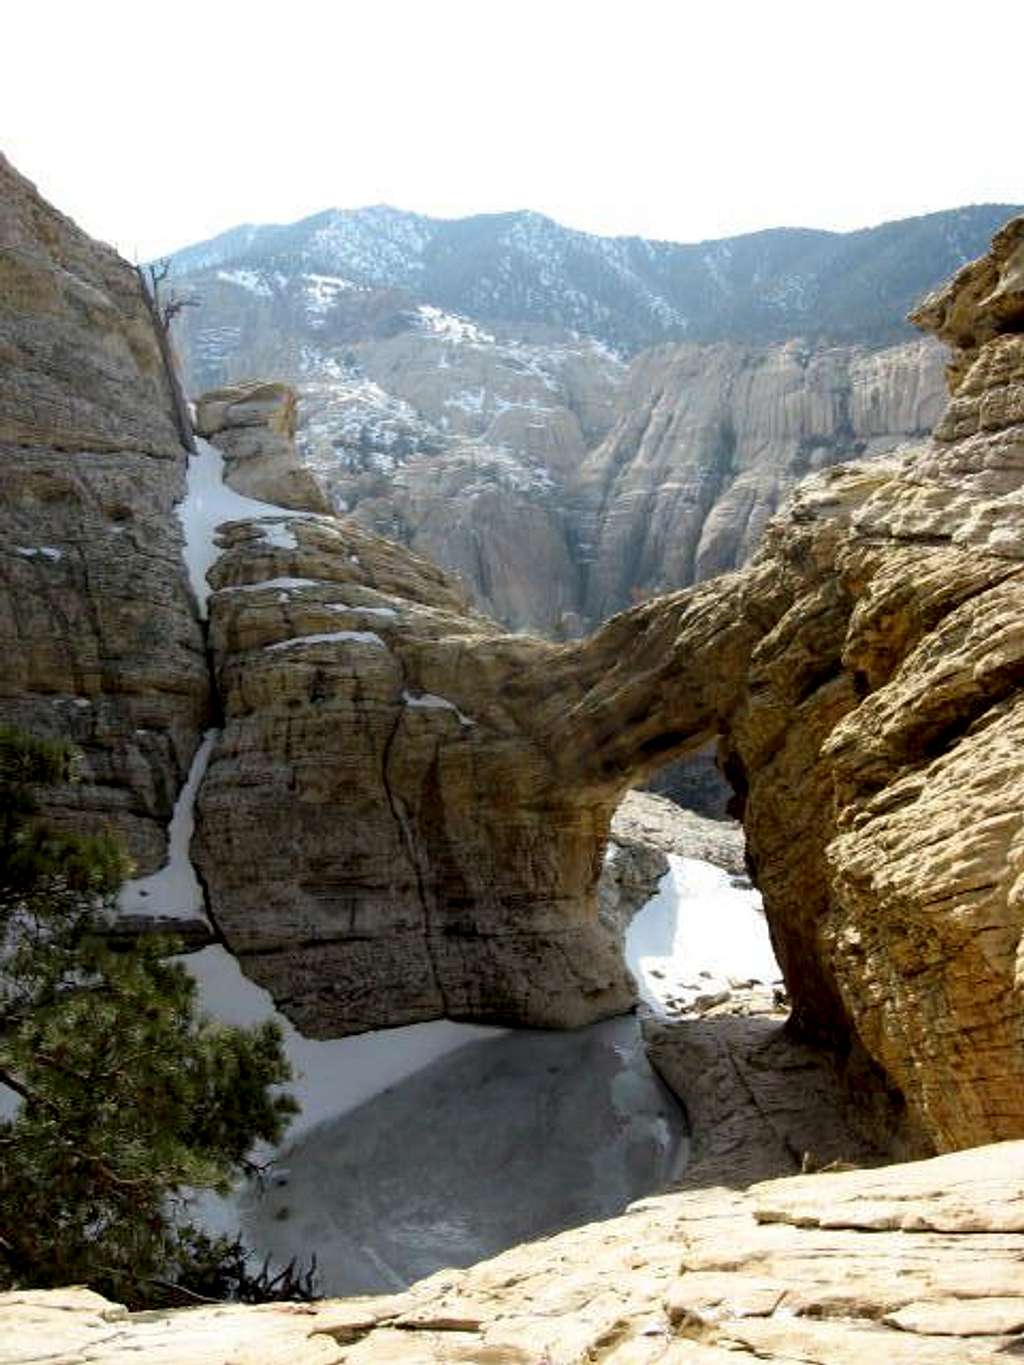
column 522, row 267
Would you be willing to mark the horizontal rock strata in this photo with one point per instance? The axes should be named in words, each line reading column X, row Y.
column 254, row 427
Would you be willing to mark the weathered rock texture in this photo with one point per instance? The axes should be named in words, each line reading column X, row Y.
column 710, row 439
column 254, row 427
column 654, row 822
column 912, row 1265
column 427, row 856
column 97, row 633
column 447, row 789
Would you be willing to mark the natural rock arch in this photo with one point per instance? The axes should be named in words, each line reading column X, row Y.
column 445, row 788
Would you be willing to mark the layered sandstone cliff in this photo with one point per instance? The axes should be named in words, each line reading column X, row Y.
column 98, row 635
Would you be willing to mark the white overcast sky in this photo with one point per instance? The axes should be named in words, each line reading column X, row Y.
column 155, row 125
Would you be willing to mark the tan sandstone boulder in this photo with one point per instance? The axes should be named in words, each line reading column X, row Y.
column 254, row 426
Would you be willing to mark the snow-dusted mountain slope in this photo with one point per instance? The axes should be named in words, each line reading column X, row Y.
column 467, row 388
column 628, row 291
column 436, row 431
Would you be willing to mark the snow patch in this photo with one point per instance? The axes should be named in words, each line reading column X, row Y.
column 174, row 892
column 385, row 613
column 38, row 552
column 279, row 534
column 450, row 326
column 321, row 292
column 334, row 1075
column 288, row 584
column 698, row 930
column 355, row 637
column 207, row 504
column 427, row 701
column 247, row 279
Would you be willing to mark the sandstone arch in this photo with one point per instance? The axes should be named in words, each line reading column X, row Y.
column 446, row 788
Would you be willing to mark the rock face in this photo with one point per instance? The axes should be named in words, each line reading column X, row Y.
column 432, row 430
column 877, row 739
column 709, row 441
column 97, row 632
column 254, row 427
column 917, row 1264
column 427, row 856
column 407, row 809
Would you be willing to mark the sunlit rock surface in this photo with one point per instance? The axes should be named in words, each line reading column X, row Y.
column 448, row 788
column 911, row 1265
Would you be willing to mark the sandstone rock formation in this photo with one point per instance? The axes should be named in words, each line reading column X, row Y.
column 254, row 427
column 426, row 854
column 449, row 788
column 653, row 822
column 917, row 1264
column 407, row 809
column 97, row 633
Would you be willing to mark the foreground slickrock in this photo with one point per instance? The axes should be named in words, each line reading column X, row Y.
column 920, row 1264
column 98, row 637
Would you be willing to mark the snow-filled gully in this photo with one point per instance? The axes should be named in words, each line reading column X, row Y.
column 438, row 1143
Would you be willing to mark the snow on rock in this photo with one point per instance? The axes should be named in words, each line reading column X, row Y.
column 333, row 1075
column 384, row 613
column 450, row 326
column 174, row 892
column 247, row 279
column 355, row 637
column 699, row 931
column 286, row 584
column 209, row 502
column 321, row 292
column 279, row 534
column 427, row 701
column 38, row 552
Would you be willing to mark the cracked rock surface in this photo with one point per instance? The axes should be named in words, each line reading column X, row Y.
column 918, row 1264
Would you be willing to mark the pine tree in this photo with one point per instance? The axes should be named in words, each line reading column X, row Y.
column 129, row 1098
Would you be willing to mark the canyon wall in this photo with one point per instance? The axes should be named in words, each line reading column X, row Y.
column 98, row 635
column 708, row 441
column 453, row 785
